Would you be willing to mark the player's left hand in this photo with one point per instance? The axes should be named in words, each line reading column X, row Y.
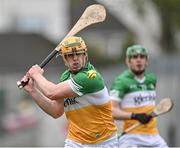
column 29, row 87
column 141, row 117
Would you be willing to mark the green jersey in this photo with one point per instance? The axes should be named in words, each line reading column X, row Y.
column 89, row 114
column 134, row 92
column 136, row 96
column 88, row 80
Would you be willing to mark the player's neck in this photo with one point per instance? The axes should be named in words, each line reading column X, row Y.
column 138, row 74
column 140, row 78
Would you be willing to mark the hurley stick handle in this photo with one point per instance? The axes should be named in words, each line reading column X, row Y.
column 21, row 84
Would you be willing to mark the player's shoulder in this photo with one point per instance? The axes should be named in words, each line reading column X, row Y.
column 122, row 79
column 125, row 75
column 150, row 76
column 90, row 79
column 89, row 73
column 65, row 75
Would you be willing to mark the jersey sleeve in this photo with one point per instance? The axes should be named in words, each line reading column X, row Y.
column 153, row 79
column 118, row 89
column 83, row 83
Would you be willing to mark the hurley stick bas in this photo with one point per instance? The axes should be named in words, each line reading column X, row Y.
column 93, row 14
column 164, row 106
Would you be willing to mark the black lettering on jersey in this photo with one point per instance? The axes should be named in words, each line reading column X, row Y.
column 138, row 100
column 70, row 101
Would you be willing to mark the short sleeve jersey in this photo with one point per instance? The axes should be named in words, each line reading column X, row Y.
column 89, row 115
column 136, row 96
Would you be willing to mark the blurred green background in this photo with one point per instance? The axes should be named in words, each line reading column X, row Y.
column 31, row 29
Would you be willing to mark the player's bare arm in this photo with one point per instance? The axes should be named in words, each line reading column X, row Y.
column 118, row 113
column 54, row 108
column 49, row 89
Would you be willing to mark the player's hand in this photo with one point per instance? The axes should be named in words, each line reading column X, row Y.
column 29, row 86
column 141, row 117
column 34, row 70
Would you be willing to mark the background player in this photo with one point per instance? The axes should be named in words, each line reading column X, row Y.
column 133, row 93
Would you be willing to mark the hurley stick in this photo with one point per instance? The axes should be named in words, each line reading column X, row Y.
column 164, row 106
column 93, row 14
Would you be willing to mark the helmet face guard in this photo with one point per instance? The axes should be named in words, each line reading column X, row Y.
column 73, row 45
column 136, row 50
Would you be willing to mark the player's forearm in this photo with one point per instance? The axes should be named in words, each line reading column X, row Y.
column 119, row 114
column 45, row 86
column 53, row 108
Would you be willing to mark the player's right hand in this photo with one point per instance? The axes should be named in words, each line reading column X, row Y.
column 141, row 117
column 34, row 70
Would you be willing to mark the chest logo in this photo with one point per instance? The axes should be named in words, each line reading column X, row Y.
column 151, row 86
column 91, row 74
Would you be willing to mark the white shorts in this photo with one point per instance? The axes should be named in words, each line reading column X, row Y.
column 135, row 140
column 109, row 143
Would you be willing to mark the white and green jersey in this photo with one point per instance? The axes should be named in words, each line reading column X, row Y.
column 89, row 115
column 136, row 96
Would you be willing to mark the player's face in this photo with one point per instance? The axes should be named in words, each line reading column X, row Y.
column 75, row 61
column 137, row 63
